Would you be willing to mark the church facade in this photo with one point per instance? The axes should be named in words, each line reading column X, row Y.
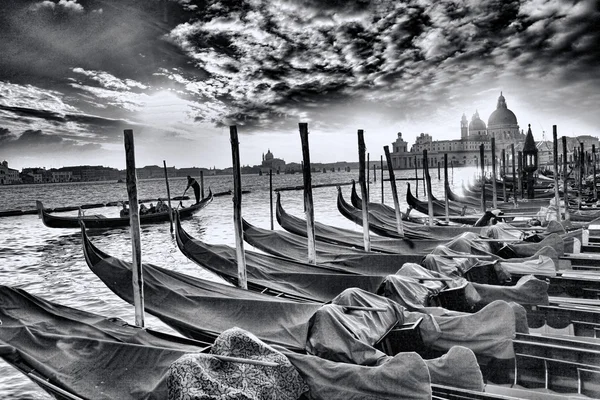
column 502, row 124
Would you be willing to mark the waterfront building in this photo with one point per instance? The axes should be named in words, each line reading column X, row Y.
column 34, row 175
column 8, row 176
column 269, row 162
column 57, row 176
column 502, row 125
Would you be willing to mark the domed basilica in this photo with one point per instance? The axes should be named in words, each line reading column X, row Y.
column 502, row 125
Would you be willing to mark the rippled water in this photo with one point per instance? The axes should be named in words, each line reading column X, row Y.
column 49, row 262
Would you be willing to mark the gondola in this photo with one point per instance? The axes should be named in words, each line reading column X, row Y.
column 129, row 363
column 194, row 306
column 100, row 222
column 382, row 224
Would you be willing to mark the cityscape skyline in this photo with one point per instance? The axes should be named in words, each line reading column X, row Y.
column 76, row 73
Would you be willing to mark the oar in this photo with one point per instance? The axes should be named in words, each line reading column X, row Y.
column 499, row 240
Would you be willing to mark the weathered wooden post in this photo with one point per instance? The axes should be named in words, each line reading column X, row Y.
column 438, row 170
column 363, row 189
column 168, row 195
column 446, row 188
column 494, row 190
column 368, row 178
column 428, row 184
column 504, row 175
column 308, row 198
column 581, row 163
column 482, row 158
column 520, row 172
column 514, row 177
column 388, row 158
column 555, row 162
column 271, row 196
column 202, row 182
column 382, row 193
column 595, row 189
column 134, row 230
column 416, row 179
column 565, row 174
column 237, row 208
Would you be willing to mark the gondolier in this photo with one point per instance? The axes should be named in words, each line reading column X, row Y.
column 194, row 184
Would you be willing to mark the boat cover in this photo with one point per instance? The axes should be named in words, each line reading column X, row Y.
column 86, row 354
column 528, row 291
column 308, row 281
column 353, row 260
column 202, row 376
column 199, row 308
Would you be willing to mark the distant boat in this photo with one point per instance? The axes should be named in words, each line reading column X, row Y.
column 100, row 221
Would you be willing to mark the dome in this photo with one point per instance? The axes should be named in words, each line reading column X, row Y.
column 476, row 123
column 502, row 115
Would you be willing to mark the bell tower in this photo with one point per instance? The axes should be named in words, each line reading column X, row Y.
column 464, row 127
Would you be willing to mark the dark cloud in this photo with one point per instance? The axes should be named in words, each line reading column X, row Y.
column 58, row 117
column 35, row 140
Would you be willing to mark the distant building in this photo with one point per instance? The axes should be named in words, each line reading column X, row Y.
column 8, row 176
column 502, row 125
column 269, row 162
column 33, row 175
column 57, row 176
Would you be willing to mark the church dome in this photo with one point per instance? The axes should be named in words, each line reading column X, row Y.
column 476, row 123
column 502, row 115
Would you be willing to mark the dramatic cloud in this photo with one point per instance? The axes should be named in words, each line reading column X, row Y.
column 189, row 68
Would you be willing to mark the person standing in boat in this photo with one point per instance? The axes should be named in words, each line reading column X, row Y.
column 194, row 184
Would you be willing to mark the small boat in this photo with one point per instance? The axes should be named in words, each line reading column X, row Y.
column 99, row 222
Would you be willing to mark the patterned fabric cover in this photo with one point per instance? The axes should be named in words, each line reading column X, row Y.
column 203, row 377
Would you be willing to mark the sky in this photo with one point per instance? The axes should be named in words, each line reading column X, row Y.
column 74, row 74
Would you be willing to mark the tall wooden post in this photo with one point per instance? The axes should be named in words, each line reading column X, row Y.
column 428, row 184
column 202, row 182
column 565, row 174
column 237, row 208
column 581, row 163
column 368, row 178
column 271, row 195
column 504, row 175
column 363, row 189
column 594, row 189
column 482, row 158
column 446, row 188
column 520, row 172
column 438, row 170
column 388, row 158
column 168, row 195
column 494, row 190
column 308, row 198
column 134, row 230
column 416, row 179
column 382, row 193
column 374, row 173
column 555, row 162
column 514, row 177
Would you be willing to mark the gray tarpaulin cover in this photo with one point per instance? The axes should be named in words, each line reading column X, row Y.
column 204, row 377
column 403, row 376
column 528, row 290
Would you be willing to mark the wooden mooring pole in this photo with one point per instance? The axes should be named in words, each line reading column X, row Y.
column 565, row 174
column 514, row 177
column 308, row 199
column 482, row 158
column 416, row 179
column 202, row 183
column 446, row 188
column 520, row 167
column 555, row 162
column 168, row 195
column 237, row 208
column 428, row 184
column 494, row 176
column 271, row 196
column 363, row 189
column 382, row 192
column 595, row 189
column 504, row 175
column 388, row 157
column 134, row 230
